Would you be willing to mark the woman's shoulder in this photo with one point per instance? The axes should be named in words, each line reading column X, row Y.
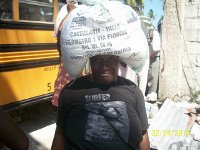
column 124, row 81
column 80, row 82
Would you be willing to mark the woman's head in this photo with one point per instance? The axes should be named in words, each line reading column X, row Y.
column 71, row 4
column 104, row 68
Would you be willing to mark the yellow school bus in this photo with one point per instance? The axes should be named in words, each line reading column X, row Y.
column 29, row 59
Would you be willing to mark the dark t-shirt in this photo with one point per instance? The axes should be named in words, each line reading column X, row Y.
column 102, row 117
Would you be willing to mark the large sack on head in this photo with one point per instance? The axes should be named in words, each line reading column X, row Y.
column 106, row 27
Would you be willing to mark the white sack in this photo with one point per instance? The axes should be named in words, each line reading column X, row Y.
column 107, row 27
column 61, row 15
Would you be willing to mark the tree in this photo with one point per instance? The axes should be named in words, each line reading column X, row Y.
column 134, row 3
column 151, row 14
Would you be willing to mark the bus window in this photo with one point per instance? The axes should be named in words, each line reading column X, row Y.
column 45, row 1
column 61, row 3
column 36, row 11
column 5, row 9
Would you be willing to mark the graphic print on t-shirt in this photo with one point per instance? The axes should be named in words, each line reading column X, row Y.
column 107, row 122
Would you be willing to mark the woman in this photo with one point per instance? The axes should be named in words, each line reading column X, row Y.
column 62, row 78
column 101, row 111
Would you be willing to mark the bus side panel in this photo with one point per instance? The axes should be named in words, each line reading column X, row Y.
column 29, row 63
column 23, row 84
column 13, row 36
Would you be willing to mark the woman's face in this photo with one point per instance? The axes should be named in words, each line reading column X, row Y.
column 104, row 68
column 70, row 5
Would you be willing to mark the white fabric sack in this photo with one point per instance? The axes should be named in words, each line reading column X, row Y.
column 61, row 15
column 106, row 27
column 93, row 2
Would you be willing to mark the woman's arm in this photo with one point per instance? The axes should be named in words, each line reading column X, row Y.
column 10, row 134
column 58, row 43
column 144, row 144
column 58, row 141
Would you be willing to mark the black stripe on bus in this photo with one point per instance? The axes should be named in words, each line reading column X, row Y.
column 26, row 47
column 25, row 25
column 28, row 64
column 27, row 102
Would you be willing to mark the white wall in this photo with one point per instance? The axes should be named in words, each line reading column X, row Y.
column 180, row 56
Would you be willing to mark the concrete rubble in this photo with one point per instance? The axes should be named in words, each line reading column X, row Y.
column 174, row 125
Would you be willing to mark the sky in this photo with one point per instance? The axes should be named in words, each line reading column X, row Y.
column 156, row 6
